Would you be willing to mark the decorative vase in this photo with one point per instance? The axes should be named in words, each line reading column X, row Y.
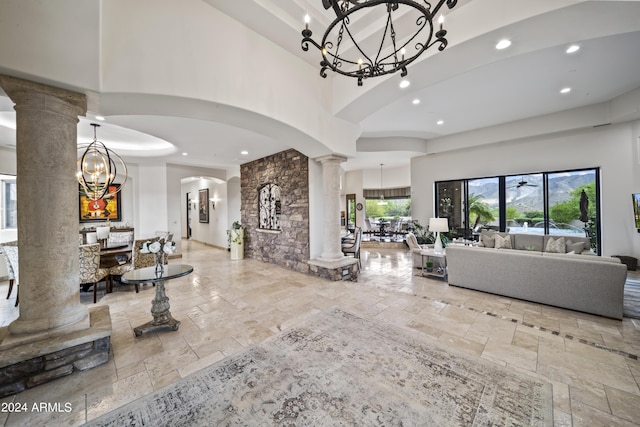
column 237, row 243
column 159, row 263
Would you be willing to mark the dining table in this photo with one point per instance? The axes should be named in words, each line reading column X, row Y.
column 157, row 275
column 112, row 254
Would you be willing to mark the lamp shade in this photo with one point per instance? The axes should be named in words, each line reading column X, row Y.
column 439, row 224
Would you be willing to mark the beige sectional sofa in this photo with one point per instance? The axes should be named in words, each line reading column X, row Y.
column 575, row 279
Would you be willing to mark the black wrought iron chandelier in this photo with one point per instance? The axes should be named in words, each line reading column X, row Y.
column 98, row 169
column 407, row 33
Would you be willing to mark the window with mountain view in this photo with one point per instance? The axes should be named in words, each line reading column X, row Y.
column 558, row 202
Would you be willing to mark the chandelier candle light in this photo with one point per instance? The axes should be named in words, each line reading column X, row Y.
column 391, row 49
column 98, row 169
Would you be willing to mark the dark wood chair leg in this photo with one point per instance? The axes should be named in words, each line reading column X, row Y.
column 95, row 292
column 10, row 287
column 17, row 295
column 136, row 286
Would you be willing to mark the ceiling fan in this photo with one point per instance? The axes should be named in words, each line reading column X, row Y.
column 524, row 183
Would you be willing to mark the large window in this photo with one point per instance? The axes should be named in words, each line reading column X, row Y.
column 559, row 202
column 8, row 198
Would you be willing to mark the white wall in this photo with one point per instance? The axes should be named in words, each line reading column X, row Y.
column 150, row 194
column 7, row 167
column 391, row 177
column 316, row 191
column 179, row 178
column 215, row 231
column 612, row 148
column 353, row 185
column 234, row 203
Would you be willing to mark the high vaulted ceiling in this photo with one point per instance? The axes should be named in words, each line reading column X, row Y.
column 470, row 85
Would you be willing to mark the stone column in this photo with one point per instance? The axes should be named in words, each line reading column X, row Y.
column 331, row 247
column 46, row 140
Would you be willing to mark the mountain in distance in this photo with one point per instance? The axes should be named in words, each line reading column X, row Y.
column 529, row 196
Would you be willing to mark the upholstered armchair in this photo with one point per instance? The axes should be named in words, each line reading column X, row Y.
column 354, row 247
column 90, row 271
column 415, row 249
column 10, row 250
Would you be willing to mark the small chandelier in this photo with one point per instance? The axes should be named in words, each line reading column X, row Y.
column 381, row 202
column 98, row 169
column 346, row 53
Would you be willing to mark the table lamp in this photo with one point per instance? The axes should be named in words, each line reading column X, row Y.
column 438, row 225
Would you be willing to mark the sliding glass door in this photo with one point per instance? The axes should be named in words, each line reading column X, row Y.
column 559, row 203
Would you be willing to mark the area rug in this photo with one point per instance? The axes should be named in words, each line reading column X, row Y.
column 337, row 369
column 632, row 296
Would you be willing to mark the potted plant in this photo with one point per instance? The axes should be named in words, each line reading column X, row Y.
column 236, row 240
column 429, row 266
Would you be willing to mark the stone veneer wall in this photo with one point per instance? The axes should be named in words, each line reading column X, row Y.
column 39, row 370
column 288, row 247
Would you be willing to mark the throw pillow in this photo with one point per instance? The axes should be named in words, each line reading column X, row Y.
column 502, row 242
column 576, row 247
column 558, row 245
column 488, row 240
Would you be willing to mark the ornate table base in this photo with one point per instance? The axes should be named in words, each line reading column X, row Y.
column 161, row 315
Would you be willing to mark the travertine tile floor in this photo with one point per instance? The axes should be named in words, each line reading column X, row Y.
column 225, row 306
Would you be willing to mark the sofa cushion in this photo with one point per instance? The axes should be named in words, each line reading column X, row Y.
column 556, row 245
column 529, row 242
column 502, row 242
column 576, row 247
column 487, row 239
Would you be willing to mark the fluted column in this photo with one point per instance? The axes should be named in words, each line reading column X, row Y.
column 331, row 248
column 46, row 139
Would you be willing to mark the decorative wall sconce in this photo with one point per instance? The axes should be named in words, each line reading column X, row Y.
column 214, row 200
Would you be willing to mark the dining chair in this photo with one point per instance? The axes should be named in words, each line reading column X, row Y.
column 142, row 260
column 120, row 237
column 10, row 251
column 102, row 233
column 90, row 271
column 354, row 248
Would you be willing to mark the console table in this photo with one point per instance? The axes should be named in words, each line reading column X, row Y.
column 160, row 304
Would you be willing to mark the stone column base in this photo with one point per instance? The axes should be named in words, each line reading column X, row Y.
column 346, row 268
column 28, row 365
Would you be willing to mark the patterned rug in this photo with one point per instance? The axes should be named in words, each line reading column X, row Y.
column 632, row 295
column 336, row 369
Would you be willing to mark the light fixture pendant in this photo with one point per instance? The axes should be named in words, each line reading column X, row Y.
column 99, row 169
column 394, row 47
column 381, row 202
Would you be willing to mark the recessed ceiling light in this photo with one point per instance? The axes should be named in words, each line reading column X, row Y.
column 503, row 44
column 101, row 118
column 565, row 90
column 184, row 154
column 415, row 101
column 404, row 84
column 244, row 152
column 440, row 122
column 573, row 48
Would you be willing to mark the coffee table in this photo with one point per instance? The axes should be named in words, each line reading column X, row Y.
column 160, row 304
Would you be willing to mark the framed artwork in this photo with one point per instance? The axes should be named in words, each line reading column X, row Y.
column 108, row 208
column 203, row 205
